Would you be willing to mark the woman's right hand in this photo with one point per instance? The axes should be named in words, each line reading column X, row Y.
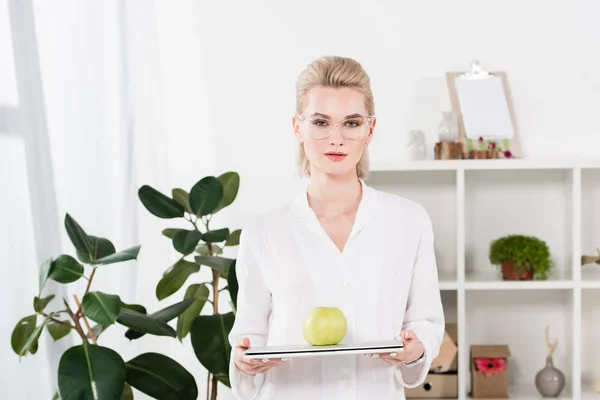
column 252, row 366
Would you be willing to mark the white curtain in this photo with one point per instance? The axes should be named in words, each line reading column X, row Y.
column 123, row 104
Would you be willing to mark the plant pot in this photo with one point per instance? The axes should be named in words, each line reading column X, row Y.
column 510, row 272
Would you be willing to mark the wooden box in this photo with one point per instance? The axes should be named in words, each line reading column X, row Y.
column 489, row 376
column 435, row 386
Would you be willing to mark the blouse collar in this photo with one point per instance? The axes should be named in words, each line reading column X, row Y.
column 366, row 208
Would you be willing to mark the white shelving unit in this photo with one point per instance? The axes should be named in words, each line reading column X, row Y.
column 472, row 202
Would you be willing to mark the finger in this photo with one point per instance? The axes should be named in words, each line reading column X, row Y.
column 243, row 343
column 408, row 335
column 267, row 366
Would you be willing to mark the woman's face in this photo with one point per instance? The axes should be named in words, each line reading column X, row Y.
column 327, row 114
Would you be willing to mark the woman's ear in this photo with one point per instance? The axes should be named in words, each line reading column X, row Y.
column 296, row 128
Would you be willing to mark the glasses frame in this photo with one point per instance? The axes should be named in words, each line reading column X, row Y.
column 369, row 119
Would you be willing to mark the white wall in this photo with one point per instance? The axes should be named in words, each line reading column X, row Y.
column 227, row 92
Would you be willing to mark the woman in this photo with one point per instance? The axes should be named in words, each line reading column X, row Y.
column 340, row 244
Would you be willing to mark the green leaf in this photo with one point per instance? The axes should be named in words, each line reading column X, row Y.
column 221, row 264
column 165, row 315
column 56, row 396
column 22, row 331
column 200, row 293
column 100, row 328
column 231, row 184
column 144, row 323
column 58, row 331
column 218, row 235
column 101, row 247
column 101, row 307
column 182, row 197
column 161, row 377
column 125, row 255
column 127, row 392
column 134, row 307
column 232, row 284
column 185, row 241
column 40, row 303
column 81, row 241
column 206, row 195
column 65, row 269
column 90, row 371
column 209, row 336
column 44, row 273
column 31, row 345
column 159, row 204
column 175, row 278
column 170, row 232
column 234, row 238
column 202, row 249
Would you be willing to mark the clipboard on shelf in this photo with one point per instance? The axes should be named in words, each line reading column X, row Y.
column 482, row 103
column 305, row 350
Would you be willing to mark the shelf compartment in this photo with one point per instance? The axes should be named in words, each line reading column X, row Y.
column 436, row 191
column 590, row 332
column 528, row 202
column 590, row 225
column 518, row 319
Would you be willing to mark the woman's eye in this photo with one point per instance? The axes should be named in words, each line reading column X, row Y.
column 319, row 122
column 352, row 123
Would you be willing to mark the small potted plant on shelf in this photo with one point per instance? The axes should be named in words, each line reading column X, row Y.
column 521, row 257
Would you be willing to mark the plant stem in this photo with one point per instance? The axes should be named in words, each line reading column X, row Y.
column 85, row 321
column 224, row 288
column 208, row 386
column 58, row 321
column 87, row 289
column 215, row 284
column 75, row 320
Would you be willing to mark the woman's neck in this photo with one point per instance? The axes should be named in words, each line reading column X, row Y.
column 332, row 195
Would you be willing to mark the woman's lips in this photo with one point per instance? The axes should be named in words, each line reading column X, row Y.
column 335, row 156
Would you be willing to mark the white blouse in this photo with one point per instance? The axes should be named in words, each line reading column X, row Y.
column 385, row 280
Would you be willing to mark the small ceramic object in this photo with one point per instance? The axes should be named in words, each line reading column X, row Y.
column 448, row 127
column 417, row 148
column 550, row 381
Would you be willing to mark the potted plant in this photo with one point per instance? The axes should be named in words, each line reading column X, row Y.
column 521, row 257
column 201, row 246
column 90, row 370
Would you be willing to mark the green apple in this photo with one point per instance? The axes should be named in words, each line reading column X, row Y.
column 324, row 326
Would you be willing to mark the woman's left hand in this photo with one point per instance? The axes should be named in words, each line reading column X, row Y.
column 413, row 350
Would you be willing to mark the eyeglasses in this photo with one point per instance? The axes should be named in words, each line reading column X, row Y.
column 320, row 128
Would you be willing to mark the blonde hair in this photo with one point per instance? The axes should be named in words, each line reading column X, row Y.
column 334, row 72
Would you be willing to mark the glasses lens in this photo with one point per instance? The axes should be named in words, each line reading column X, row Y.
column 352, row 128
column 355, row 128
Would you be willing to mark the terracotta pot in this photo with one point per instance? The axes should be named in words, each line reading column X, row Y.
column 511, row 273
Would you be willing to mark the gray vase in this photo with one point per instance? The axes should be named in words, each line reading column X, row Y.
column 550, row 381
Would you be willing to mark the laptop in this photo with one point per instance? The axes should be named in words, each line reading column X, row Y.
column 304, row 350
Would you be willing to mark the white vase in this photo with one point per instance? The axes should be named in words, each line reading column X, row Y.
column 448, row 127
column 417, row 148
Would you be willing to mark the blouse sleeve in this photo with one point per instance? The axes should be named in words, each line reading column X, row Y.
column 252, row 313
column 424, row 313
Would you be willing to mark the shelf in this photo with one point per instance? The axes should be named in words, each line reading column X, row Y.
column 473, row 202
column 590, row 277
column 447, row 280
column 589, row 392
column 499, row 164
column 528, row 391
column 491, row 281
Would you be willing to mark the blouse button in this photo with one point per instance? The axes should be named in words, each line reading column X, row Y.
column 345, row 283
column 345, row 377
